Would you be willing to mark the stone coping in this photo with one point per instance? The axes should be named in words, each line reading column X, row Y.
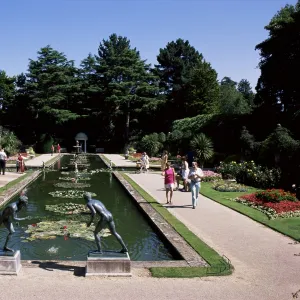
column 178, row 243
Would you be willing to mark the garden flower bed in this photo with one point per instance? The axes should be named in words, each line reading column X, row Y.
column 211, row 176
column 223, row 186
column 274, row 203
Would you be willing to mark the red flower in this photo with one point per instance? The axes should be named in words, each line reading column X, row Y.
column 65, row 227
column 33, row 225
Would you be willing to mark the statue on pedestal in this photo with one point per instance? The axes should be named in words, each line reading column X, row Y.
column 106, row 220
column 9, row 212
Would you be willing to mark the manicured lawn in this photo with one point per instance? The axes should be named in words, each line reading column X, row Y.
column 218, row 266
column 288, row 226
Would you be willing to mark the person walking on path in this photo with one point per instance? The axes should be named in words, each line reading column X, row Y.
column 164, row 160
column 52, row 150
column 195, row 176
column 58, row 148
column 185, row 173
column 169, row 182
column 3, row 158
column 20, row 163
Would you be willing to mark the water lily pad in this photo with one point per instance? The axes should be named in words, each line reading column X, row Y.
column 72, row 178
column 70, row 194
column 72, row 185
column 68, row 208
column 68, row 229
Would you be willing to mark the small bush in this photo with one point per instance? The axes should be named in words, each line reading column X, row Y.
column 229, row 187
column 249, row 173
column 275, row 196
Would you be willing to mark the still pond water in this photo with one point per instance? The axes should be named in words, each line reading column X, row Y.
column 143, row 243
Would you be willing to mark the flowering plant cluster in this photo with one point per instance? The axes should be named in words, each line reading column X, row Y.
column 211, row 176
column 250, row 174
column 223, row 186
column 274, row 203
column 275, row 196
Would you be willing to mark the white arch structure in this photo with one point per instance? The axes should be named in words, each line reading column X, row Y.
column 82, row 137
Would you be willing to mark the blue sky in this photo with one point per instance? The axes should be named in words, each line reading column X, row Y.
column 224, row 31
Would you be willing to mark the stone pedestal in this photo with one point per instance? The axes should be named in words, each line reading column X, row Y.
column 109, row 263
column 10, row 262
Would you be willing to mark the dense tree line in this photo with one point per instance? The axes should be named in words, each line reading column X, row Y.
column 120, row 100
column 115, row 96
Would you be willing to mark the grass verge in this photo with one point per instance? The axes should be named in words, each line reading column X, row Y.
column 14, row 182
column 288, row 226
column 218, row 265
column 103, row 157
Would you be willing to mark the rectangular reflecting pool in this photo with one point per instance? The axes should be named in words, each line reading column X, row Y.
column 143, row 242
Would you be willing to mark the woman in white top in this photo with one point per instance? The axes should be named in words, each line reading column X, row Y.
column 195, row 176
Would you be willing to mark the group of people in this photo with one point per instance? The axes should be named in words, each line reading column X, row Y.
column 144, row 163
column 191, row 178
column 20, row 165
column 58, row 148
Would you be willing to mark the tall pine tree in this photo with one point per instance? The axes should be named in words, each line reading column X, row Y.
column 128, row 85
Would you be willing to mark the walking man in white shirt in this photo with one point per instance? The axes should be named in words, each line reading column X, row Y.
column 3, row 158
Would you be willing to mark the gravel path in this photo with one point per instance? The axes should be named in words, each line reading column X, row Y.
column 261, row 257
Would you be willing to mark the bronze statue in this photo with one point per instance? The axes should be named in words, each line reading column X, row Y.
column 11, row 212
column 106, row 219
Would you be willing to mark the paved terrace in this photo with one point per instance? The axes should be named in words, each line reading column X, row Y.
column 121, row 162
column 34, row 162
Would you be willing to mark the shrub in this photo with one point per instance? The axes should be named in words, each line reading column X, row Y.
column 275, row 196
column 9, row 141
column 45, row 143
column 203, row 147
column 250, row 174
column 150, row 144
column 229, row 187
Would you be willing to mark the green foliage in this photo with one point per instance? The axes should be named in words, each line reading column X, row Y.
column 245, row 89
column 194, row 124
column 275, row 196
column 189, row 82
column 277, row 88
column 231, row 101
column 162, row 137
column 280, row 141
column 7, row 93
column 250, row 174
column 203, row 147
column 9, row 141
column 128, row 85
column 45, row 143
column 224, row 186
column 51, row 86
column 150, row 144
